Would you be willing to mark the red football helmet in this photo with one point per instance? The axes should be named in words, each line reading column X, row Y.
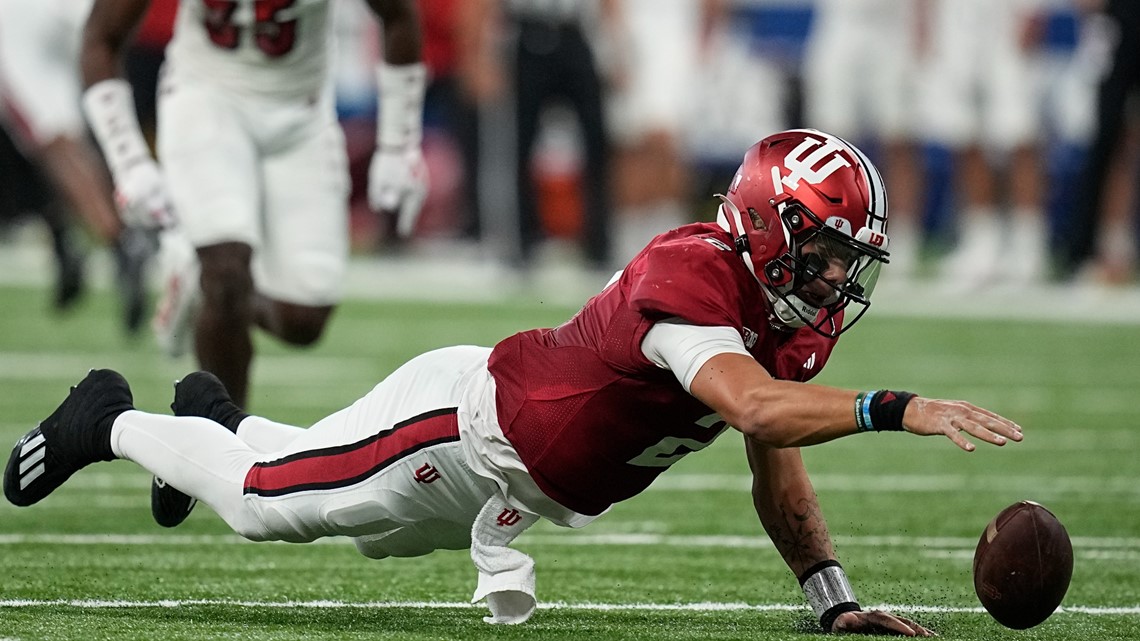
column 801, row 199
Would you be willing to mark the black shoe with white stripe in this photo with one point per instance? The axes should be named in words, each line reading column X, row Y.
column 76, row 434
column 198, row 394
column 168, row 505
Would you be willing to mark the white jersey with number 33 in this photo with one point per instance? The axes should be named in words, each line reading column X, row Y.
column 263, row 47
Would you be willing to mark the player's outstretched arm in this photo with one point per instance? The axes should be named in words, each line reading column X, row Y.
column 791, row 414
column 397, row 177
column 108, row 103
column 789, row 511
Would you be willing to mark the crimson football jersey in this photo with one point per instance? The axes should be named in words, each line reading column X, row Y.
column 591, row 417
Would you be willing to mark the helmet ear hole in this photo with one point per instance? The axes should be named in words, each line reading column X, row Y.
column 757, row 220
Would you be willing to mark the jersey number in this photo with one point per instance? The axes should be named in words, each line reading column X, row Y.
column 671, row 449
column 275, row 37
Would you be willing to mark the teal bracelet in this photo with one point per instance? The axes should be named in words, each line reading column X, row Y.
column 863, row 412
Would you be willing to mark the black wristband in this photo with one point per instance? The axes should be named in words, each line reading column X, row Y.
column 829, row 617
column 887, row 410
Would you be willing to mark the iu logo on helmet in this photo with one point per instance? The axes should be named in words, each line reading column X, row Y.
column 804, row 163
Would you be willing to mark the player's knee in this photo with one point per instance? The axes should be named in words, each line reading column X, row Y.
column 301, row 325
column 403, row 542
column 226, row 277
column 248, row 526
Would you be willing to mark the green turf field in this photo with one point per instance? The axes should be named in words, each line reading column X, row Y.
column 685, row 560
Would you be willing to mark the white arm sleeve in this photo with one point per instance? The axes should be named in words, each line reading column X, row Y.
column 683, row 349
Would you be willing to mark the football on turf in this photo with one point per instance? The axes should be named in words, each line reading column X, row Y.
column 1023, row 565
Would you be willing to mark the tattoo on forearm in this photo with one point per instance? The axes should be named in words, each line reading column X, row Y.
column 799, row 533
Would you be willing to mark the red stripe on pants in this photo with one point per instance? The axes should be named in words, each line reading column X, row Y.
column 341, row 466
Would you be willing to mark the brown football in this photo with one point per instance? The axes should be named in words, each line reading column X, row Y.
column 1023, row 565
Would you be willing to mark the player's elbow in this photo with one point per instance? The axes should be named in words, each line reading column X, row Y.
column 763, row 420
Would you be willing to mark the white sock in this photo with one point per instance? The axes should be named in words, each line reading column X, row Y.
column 195, row 455
column 264, row 435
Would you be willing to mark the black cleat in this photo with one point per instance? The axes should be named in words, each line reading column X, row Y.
column 203, row 394
column 169, row 506
column 199, row 394
column 76, row 434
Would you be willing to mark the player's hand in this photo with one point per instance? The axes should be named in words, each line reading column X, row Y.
column 141, row 197
column 398, row 182
column 878, row 622
column 929, row 417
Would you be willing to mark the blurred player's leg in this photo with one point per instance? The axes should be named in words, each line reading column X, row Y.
column 646, row 113
column 1012, row 94
column 69, row 259
column 974, row 261
column 133, row 250
column 24, row 190
column 223, row 340
column 211, row 163
column 300, row 268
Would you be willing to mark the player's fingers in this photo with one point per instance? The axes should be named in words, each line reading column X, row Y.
column 919, row 631
column 987, row 429
column 996, row 422
column 890, row 623
column 955, row 434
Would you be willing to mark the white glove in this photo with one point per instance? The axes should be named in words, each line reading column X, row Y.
column 140, row 195
column 398, row 181
column 140, row 192
column 398, row 177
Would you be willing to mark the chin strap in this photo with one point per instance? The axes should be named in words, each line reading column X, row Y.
column 784, row 309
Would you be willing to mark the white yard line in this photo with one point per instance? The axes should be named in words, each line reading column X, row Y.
column 93, row 481
column 587, row 607
column 1092, row 546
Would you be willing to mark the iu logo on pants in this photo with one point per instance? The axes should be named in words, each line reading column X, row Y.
column 508, row 517
column 427, row 474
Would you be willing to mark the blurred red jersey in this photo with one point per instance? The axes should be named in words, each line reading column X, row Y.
column 591, row 417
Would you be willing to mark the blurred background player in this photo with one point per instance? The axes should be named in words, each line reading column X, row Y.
column 649, row 100
column 866, row 51
column 253, row 163
column 25, row 191
column 50, row 166
column 1103, row 238
column 554, row 62
column 981, row 97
